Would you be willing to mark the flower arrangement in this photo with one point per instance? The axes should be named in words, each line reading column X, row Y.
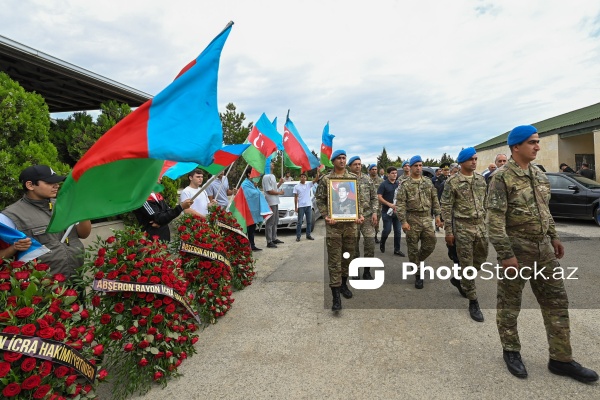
column 140, row 300
column 40, row 315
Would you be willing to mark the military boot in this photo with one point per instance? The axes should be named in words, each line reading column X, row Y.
column 514, row 364
column 337, row 302
column 376, row 240
column 367, row 273
column 475, row 311
column 455, row 282
column 344, row 288
column 574, row 370
column 418, row 281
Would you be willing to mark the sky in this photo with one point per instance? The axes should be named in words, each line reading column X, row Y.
column 416, row 77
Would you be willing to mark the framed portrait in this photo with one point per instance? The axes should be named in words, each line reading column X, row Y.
column 343, row 202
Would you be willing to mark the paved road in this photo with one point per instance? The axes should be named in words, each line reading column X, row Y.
column 281, row 341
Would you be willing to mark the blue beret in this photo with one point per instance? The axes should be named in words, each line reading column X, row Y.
column 520, row 134
column 337, row 153
column 353, row 159
column 466, row 154
column 414, row 159
column 371, row 166
column 405, row 163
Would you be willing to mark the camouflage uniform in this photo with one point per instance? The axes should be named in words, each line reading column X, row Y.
column 376, row 182
column 415, row 201
column 339, row 237
column 463, row 202
column 370, row 204
column 520, row 225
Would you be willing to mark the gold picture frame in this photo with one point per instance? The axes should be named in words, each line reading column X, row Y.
column 343, row 199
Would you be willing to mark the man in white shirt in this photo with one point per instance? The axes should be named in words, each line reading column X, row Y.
column 219, row 190
column 272, row 193
column 303, row 205
column 200, row 205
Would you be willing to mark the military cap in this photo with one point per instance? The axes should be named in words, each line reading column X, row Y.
column 520, row 134
column 352, row 159
column 337, row 153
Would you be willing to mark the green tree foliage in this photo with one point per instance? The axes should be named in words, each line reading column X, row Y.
column 383, row 161
column 24, row 140
column 446, row 159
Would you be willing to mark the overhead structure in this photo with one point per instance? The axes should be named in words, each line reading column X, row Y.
column 64, row 86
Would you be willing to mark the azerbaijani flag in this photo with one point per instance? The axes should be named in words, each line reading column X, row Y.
column 223, row 158
column 288, row 163
column 296, row 149
column 119, row 171
column 9, row 236
column 249, row 205
column 326, row 147
column 264, row 140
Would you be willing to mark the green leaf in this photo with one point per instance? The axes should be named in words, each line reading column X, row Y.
column 120, row 328
column 153, row 350
column 67, row 300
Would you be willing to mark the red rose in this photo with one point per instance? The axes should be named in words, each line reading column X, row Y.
column 99, row 262
column 89, row 337
column 64, row 315
column 24, row 312
column 111, row 240
column 41, row 392
column 146, row 311
column 151, row 330
column 41, row 267
column 113, row 261
column 194, row 340
column 12, row 329
column 135, row 310
column 70, row 380
column 59, row 277
column 5, row 286
column 157, row 319
column 46, row 333
column 45, row 368
column 119, row 308
column 36, row 299
column 159, row 336
column 116, row 335
column 143, row 322
column 99, row 275
column 96, row 301
column 102, row 374
column 28, row 364
column 85, row 314
column 157, row 375
column 154, row 279
column 4, row 316
column 132, row 331
column 22, row 275
column 12, row 357
column 59, row 334
column 4, row 368
column 31, row 382
column 105, row 319
column 98, row 349
column 143, row 362
column 87, row 388
column 157, row 303
column 128, row 347
column 11, row 390
column 77, row 345
column 61, row 371
column 143, row 344
column 101, row 252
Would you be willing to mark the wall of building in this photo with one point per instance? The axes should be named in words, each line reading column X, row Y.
column 547, row 156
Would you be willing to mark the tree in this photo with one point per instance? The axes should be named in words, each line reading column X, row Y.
column 24, row 139
column 234, row 131
column 446, row 159
column 383, row 161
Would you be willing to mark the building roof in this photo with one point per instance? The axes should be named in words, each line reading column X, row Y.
column 65, row 87
column 572, row 123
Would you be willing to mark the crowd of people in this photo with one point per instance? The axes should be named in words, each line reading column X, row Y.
column 508, row 207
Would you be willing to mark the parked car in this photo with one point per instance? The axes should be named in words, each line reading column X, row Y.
column 574, row 196
column 288, row 218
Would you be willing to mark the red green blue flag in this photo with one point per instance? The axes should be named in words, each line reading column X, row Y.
column 120, row 170
column 264, row 140
column 223, row 158
column 326, row 147
column 249, row 205
column 296, row 149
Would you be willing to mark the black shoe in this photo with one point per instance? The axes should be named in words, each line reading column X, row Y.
column 475, row 311
column 376, row 240
column 337, row 302
column 344, row 288
column 382, row 247
column 418, row 283
column 254, row 248
column 572, row 369
column 367, row 274
column 310, row 237
column 297, row 239
column 271, row 245
column 277, row 241
column 455, row 282
column 514, row 364
column 399, row 253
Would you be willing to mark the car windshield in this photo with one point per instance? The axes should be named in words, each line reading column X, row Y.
column 588, row 183
column 288, row 190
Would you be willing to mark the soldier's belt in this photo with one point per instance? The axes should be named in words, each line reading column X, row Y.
column 470, row 220
column 532, row 238
column 419, row 213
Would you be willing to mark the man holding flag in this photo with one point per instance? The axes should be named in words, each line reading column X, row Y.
column 31, row 215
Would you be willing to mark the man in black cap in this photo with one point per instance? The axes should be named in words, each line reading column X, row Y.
column 31, row 215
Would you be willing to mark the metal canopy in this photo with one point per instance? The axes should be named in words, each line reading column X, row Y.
column 65, row 87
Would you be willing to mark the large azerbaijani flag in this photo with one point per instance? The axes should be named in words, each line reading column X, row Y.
column 264, row 140
column 296, row 149
column 223, row 158
column 241, row 209
column 120, row 170
column 326, row 147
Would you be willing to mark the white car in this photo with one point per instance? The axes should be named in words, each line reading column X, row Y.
column 288, row 219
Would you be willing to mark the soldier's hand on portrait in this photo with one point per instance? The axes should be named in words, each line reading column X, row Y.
column 405, row 227
column 22, row 244
column 329, row 220
column 186, row 203
column 559, row 249
column 450, row 240
column 510, row 262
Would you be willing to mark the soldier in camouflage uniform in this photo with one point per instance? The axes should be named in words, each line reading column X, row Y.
column 463, row 211
column 376, row 181
column 415, row 201
column 523, row 234
column 406, row 174
column 340, row 235
column 369, row 203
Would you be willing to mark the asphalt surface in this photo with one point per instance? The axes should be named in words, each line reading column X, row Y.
column 280, row 340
